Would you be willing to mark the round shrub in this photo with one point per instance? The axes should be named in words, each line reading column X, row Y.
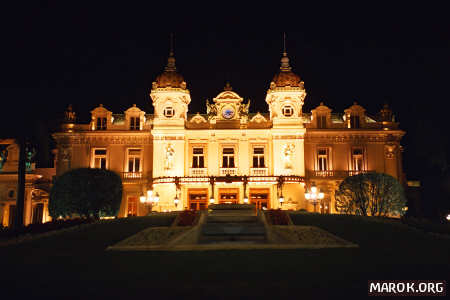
column 86, row 192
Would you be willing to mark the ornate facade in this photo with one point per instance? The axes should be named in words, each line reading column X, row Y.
column 229, row 154
column 37, row 186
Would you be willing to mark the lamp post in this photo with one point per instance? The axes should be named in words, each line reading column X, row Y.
column 211, row 198
column 280, row 187
column 314, row 195
column 151, row 199
column 245, row 189
column 176, row 201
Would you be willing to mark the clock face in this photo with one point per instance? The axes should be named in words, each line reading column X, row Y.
column 228, row 112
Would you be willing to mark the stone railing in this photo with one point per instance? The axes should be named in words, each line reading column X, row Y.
column 259, row 172
column 228, row 171
column 333, row 173
column 198, row 172
column 132, row 175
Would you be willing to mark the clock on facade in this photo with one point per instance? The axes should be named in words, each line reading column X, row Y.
column 228, row 112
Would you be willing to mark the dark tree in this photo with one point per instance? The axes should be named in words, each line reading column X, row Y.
column 86, row 192
column 370, row 194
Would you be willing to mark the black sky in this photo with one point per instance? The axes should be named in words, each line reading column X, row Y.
column 57, row 53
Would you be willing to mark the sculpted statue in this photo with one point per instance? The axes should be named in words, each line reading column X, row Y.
column 243, row 108
column 170, row 153
column 288, row 152
column 69, row 114
column 3, row 157
column 211, row 109
column 30, row 152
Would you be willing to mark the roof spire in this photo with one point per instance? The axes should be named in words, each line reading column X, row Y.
column 171, row 60
column 285, row 60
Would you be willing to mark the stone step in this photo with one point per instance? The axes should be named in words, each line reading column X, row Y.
column 231, row 219
column 230, row 229
column 236, row 239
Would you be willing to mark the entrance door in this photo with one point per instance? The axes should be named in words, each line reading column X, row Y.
column 229, row 196
column 132, row 206
column 38, row 211
column 12, row 215
column 198, row 199
column 260, row 197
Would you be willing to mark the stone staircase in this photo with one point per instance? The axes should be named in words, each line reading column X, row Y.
column 237, row 224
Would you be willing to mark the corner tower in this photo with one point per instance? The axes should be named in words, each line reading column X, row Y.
column 170, row 97
column 286, row 96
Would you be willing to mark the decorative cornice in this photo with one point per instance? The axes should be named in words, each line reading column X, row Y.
column 141, row 139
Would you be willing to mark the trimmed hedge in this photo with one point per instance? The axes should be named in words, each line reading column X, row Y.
column 44, row 227
column 427, row 225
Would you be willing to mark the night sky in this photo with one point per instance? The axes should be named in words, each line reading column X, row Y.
column 54, row 54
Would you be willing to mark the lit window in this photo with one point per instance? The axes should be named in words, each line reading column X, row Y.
column 357, row 159
column 100, row 158
column 322, row 159
column 228, row 158
column 287, row 111
column 169, row 112
column 198, row 158
column 135, row 123
column 134, row 160
column 101, row 124
column 321, row 121
column 132, row 206
column 258, row 157
column 354, row 121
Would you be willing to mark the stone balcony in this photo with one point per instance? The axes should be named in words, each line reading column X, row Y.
column 332, row 174
column 198, row 172
column 133, row 177
column 228, row 171
column 259, row 171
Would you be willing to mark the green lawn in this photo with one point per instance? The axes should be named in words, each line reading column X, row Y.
column 74, row 265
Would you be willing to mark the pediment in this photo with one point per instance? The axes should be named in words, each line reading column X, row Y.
column 258, row 118
column 198, row 118
column 133, row 109
column 228, row 95
column 100, row 110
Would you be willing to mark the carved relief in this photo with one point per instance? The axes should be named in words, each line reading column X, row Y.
column 170, row 153
column 389, row 151
column 288, row 152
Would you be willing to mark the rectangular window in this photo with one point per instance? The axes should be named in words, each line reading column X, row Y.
column 322, row 159
column 198, row 159
column 354, row 121
column 132, row 206
column 357, row 159
column 258, row 157
column 134, row 160
column 135, row 123
column 228, row 158
column 100, row 158
column 101, row 124
column 321, row 121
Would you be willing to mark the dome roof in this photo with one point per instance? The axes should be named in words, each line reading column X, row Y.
column 286, row 77
column 170, row 77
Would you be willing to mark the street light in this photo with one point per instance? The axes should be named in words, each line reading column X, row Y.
column 150, row 199
column 314, row 196
column 280, row 188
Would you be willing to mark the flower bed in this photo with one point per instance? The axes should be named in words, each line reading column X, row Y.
column 277, row 217
column 6, row 233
